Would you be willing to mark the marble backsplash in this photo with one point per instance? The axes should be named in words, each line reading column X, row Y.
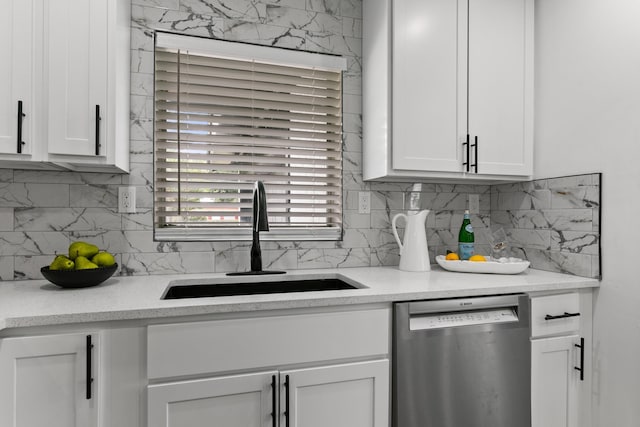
column 553, row 223
column 41, row 212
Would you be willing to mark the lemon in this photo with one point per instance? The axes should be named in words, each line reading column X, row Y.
column 479, row 258
column 452, row 256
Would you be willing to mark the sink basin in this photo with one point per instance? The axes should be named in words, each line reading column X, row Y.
column 178, row 290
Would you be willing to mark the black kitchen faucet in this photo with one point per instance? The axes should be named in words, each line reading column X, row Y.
column 260, row 222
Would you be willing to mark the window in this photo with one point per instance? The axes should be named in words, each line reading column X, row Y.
column 228, row 114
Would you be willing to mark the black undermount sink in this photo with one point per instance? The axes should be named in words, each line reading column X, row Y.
column 224, row 289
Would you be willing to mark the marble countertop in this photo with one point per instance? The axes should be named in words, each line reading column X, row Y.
column 40, row 303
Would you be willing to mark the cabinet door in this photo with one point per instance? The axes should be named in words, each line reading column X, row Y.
column 234, row 401
column 349, row 395
column 500, row 110
column 43, row 381
column 428, row 92
column 554, row 382
column 76, row 58
column 20, row 32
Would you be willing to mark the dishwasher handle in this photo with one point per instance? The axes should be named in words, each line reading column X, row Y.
column 416, row 318
column 465, row 304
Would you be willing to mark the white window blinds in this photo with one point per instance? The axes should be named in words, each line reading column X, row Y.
column 228, row 114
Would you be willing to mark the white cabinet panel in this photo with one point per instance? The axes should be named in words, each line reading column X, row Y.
column 252, row 343
column 501, row 85
column 76, row 47
column 20, row 33
column 555, row 314
column 233, row 401
column 43, row 381
column 349, row 395
column 554, row 382
column 87, row 98
column 426, row 97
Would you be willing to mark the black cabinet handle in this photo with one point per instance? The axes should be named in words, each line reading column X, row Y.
column 581, row 368
column 561, row 316
column 273, row 401
column 286, row 403
column 21, row 116
column 98, row 118
column 475, row 151
column 89, row 378
column 466, row 145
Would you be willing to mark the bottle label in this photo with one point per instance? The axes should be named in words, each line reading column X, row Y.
column 465, row 250
column 469, row 228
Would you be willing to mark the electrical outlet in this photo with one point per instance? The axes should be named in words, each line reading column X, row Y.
column 127, row 199
column 364, row 202
column 474, row 203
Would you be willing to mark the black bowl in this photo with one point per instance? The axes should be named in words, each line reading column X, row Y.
column 78, row 278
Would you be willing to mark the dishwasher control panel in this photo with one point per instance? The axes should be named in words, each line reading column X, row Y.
column 462, row 318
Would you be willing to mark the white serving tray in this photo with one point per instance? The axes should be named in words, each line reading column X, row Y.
column 504, row 266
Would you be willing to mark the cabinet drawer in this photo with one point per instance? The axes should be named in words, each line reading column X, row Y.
column 555, row 314
column 239, row 344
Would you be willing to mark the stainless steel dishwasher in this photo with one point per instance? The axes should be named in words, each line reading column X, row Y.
column 463, row 362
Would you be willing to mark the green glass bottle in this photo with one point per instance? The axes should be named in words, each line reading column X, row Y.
column 465, row 238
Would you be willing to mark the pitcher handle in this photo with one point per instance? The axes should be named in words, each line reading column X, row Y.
column 395, row 232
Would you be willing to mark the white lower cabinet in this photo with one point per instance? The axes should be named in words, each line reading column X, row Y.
column 230, row 401
column 349, row 395
column 303, row 369
column 307, row 368
column 561, row 331
column 554, row 399
column 49, row 381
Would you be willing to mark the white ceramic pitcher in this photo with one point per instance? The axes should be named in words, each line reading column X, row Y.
column 414, row 252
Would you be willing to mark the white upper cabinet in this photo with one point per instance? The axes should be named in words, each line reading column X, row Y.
column 425, row 96
column 20, row 33
column 77, row 82
column 448, row 89
column 500, row 90
column 87, row 85
column 69, row 74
